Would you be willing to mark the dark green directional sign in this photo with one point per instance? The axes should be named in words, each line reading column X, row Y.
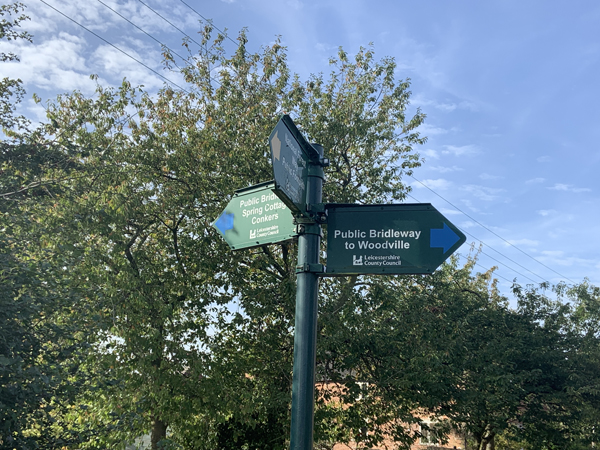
column 255, row 216
column 291, row 154
column 388, row 239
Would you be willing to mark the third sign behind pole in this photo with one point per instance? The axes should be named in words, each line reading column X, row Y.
column 291, row 154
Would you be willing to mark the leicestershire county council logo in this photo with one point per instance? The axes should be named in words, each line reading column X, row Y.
column 357, row 261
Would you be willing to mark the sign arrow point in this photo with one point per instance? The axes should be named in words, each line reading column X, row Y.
column 443, row 237
column 224, row 222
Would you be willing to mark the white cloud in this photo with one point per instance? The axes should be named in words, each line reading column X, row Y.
column 546, row 212
column 430, row 130
column 468, row 224
column 142, row 17
column 524, row 243
column 35, row 111
column 433, row 154
column 553, row 253
column 560, row 258
column 56, row 64
column 487, row 176
column 469, row 204
column 445, row 106
column 450, row 212
column 544, row 158
column 328, row 48
column 111, row 60
column 535, row 181
column 92, row 15
column 446, row 169
column 568, row 188
column 63, row 55
column 449, row 107
column 437, row 184
column 463, row 150
column 483, row 192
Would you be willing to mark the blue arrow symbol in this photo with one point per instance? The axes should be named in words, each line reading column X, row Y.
column 443, row 237
column 225, row 222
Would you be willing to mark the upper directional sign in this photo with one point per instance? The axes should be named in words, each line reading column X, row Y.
column 388, row 239
column 291, row 155
column 255, row 216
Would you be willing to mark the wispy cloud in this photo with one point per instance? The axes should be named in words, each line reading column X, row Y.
column 445, row 106
column 57, row 63
column 449, row 107
column 450, row 212
column 112, row 60
column 468, row 224
column 487, row 176
column 430, row 130
column 546, row 212
column 524, row 242
column 446, row 169
column 322, row 47
column 561, row 258
column 544, row 158
column 439, row 184
column 431, row 154
column 471, row 206
column 483, row 192
column 568, row 188
column 464, row 150
column 535, row 181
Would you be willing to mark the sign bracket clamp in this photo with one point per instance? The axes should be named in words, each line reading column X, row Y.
column 311, row 268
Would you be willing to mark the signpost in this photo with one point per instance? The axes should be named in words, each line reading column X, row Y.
column 291, row 155
column 255, row 216
column 362, row 239
column 388, row 239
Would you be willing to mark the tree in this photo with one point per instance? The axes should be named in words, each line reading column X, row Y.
column 39, row 346
column 111, row 204
column 389, row 346
column 519, row 375
column 449, row 348
column 140, row 181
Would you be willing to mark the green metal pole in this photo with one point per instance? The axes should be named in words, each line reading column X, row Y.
column 305, row 334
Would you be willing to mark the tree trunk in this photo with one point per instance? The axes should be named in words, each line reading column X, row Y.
column 159, row 433
column 487, row 441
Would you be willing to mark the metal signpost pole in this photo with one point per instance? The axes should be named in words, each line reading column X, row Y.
column 305, row 336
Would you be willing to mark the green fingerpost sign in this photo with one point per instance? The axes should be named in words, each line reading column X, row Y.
column 255, row 216
column 388, row 239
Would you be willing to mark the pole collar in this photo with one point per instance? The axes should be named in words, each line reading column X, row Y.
column 310, row 268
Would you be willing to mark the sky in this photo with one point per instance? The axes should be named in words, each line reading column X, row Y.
column 510, row 88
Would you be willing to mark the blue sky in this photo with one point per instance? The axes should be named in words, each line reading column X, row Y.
column 510, row 89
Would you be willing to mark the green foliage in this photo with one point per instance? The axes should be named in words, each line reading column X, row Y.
column 106, row 220
column 161, row 286
column 11, row 89
column 393, row 343
column 40, row 347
